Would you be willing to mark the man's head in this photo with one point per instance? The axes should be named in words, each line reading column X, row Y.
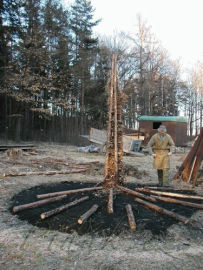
column 162, row 129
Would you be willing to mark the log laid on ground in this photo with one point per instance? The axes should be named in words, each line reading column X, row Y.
column 170, row 194
column 137, row 194
column 110, row 201
column 38, row 203
column 87, row 214
column 162, row 210
column 44, row 173
column 67, row 192
column 63, row 207
column 170, row 189
column 131, row 219
column 171, row 200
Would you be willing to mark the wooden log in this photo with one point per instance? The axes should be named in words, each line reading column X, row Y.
column 171, row 200
column 131, row 219
column 37, row 203
column 169, row 194
column 137, row 194
column 169, row 189
column 63, row 207
column 162, row 210
column 184, row 170
column 67, row 192
column 110, row 201
column 44, row 173
column 87, row 214
column 193, row 164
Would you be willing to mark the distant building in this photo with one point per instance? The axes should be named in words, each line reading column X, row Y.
column 176, row 127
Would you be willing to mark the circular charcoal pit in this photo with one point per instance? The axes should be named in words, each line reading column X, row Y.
column 100, row 223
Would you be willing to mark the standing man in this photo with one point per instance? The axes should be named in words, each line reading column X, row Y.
column 160, row 147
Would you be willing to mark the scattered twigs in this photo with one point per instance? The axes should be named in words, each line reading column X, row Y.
column 67, row 192
column 110, row 201
column 169, row 194
column 131, row 219
column 44, row 173
column 62, row 208
column 87, row 214
column 137, row 194
column 162, row 210
column 37, row 203
column 171, row 200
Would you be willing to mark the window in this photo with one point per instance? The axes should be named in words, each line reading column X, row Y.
column 156, row 125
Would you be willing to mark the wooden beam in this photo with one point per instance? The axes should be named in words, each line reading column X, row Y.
column 43, row 173
column 87, row 214
column 162, row 210
column 170, row 189
column 131, row 219
column 110, row 201
column 169, row 194
column 63, row 207
column 37, row 203
column 67, row 192
column 137, row 194
column 171, row 200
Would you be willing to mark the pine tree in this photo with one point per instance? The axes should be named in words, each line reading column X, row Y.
column 84, row 49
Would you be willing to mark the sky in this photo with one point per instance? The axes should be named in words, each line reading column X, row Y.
column 177, row 24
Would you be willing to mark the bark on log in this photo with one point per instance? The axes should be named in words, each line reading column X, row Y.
column 43, row 173
column 63, row 207
column 162, row 210
column 169, row 189
column 169, row 194
column 196, row 150
column 87, row 214
column 37, row 204
column 110, row 202
column 67, row 192
column 137, row 194
column 131, row 219
column 171, row 200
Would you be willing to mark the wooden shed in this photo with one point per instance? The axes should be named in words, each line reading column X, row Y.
column 176, row 127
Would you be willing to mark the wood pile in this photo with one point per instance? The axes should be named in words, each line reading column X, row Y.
column 188, row 171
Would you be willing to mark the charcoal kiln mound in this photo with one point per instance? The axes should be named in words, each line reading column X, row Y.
column 101, row 223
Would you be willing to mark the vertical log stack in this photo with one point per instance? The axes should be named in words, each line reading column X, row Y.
column 114, row 146
column 188, row 171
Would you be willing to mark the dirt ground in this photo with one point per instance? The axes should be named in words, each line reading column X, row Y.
column 24, row 246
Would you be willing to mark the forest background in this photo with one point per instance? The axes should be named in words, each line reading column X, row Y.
column 54, row 71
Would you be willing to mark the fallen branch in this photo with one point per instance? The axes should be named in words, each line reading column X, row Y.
column 87, row 214
column 43, row 173
column 110, row 201
column 67, row 192
column 137, row 194
column 169, row 194
column 171, row 200
column 131, row 219
column 62, row 208
column 162, row 210
column 38, row 203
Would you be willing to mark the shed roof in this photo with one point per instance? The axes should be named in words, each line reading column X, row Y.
column 163, row 118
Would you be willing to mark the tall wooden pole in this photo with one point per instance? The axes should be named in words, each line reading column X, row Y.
column 114, row 147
